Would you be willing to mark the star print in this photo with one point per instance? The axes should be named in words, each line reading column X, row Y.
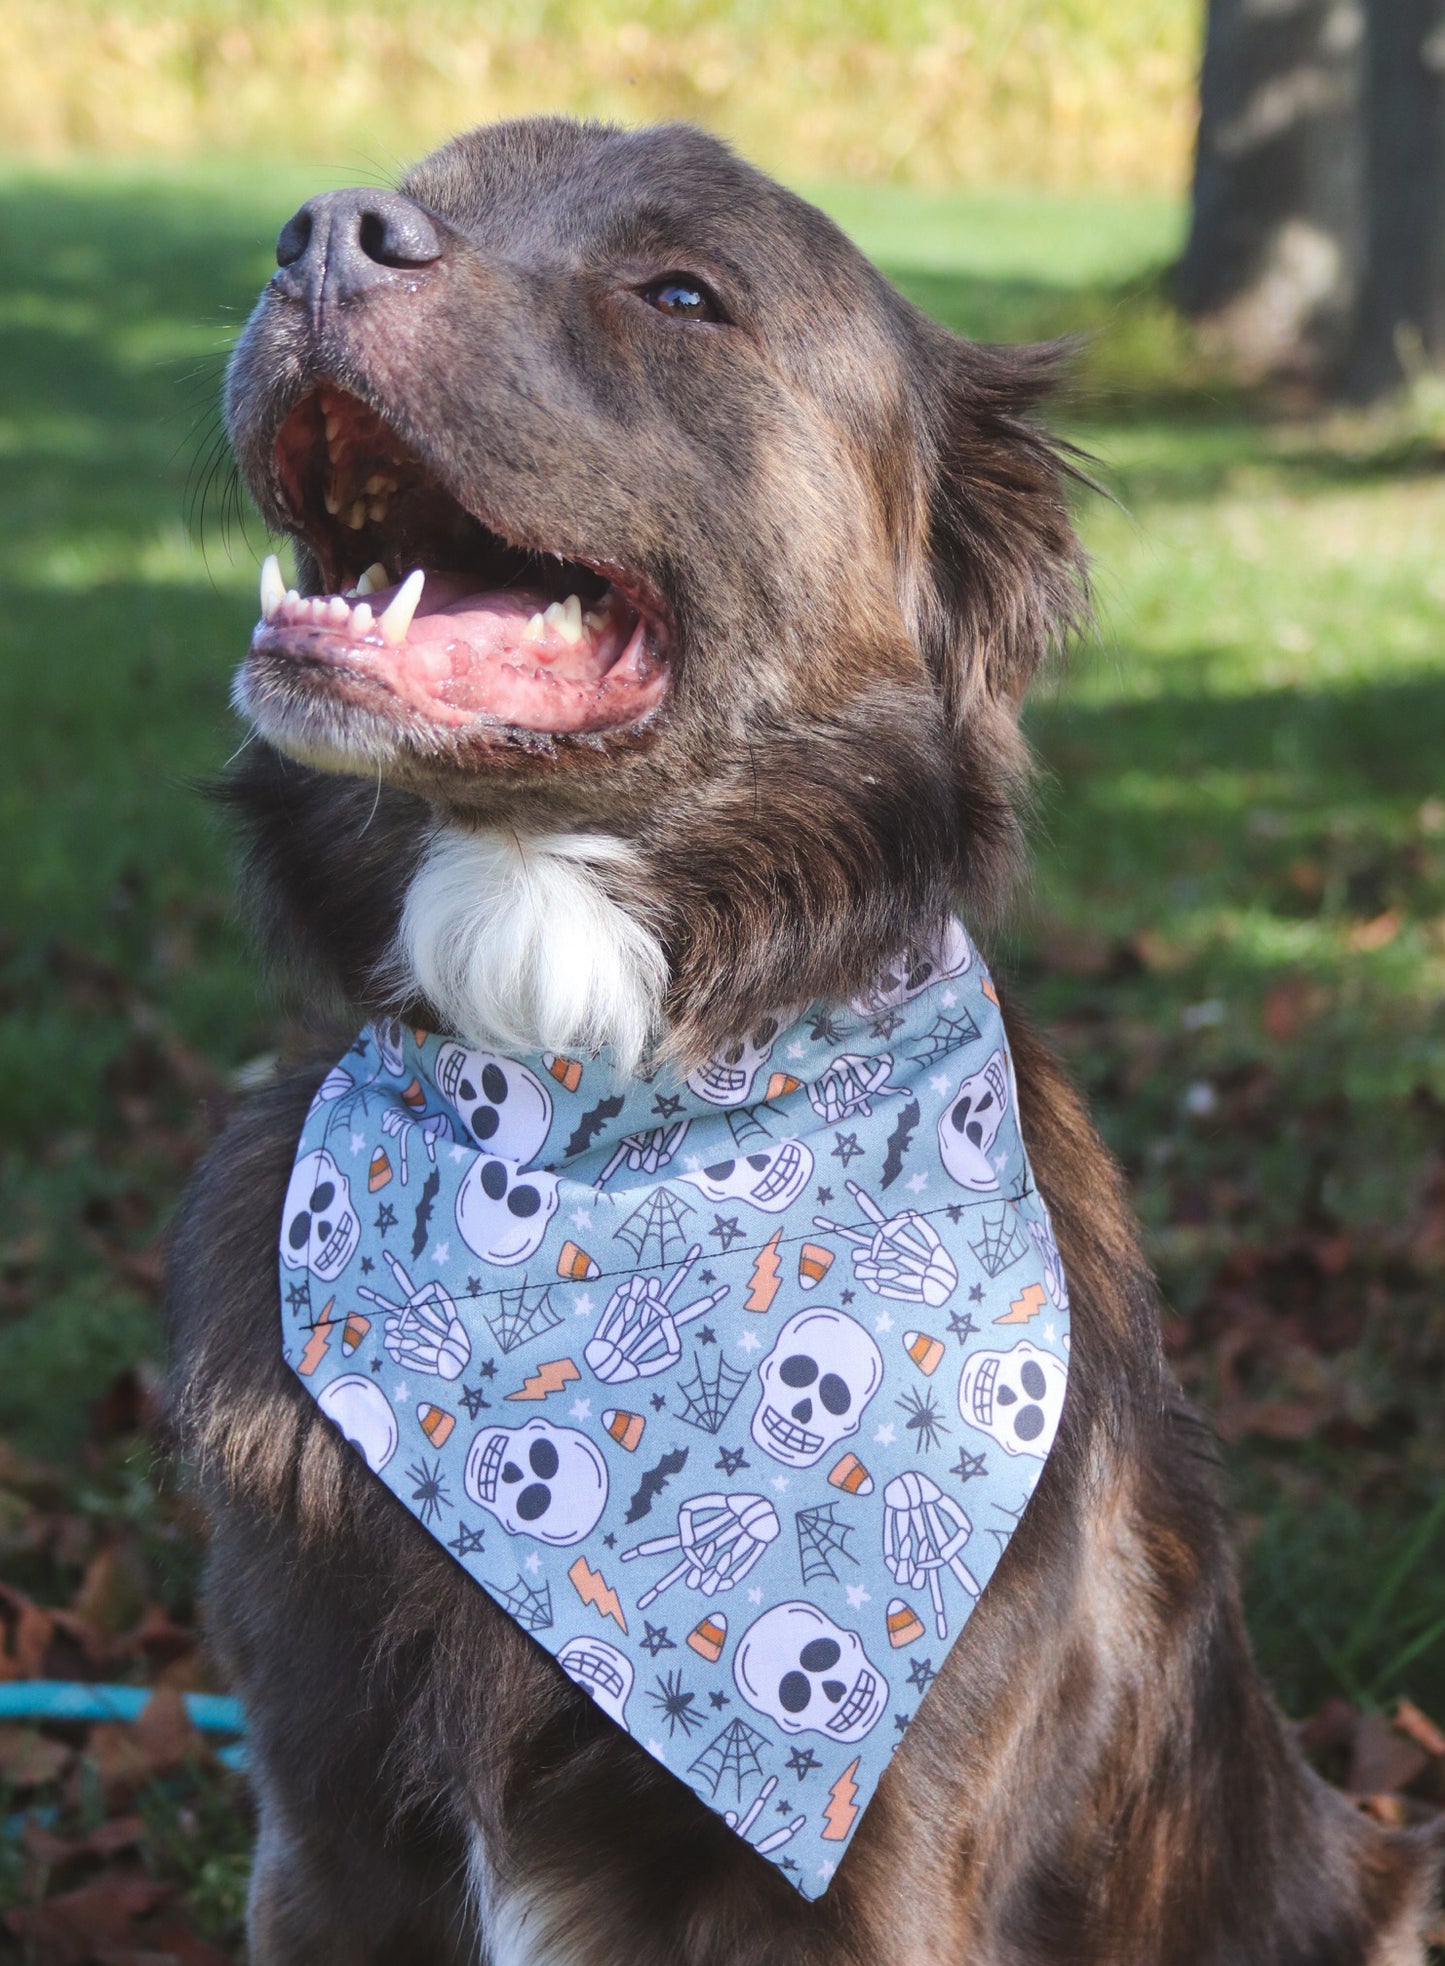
column 802, row 1762
column 730, row 1461
column 376, row 1365
column 917, row 1183
column 581, row 1409
column 1000, row 1161
column 659, row 1400
column 705, row 1276
column 779, row 1484
column 784, row 1808
column 385, row 1217
column 706, row 1335
column 298, row 1296
column 401, row 1390
column 657, row 1640
column 755, row 1597
column 797, row 1051
column 367, row 1266
column 474, row 1286
column 858, row 1597
column 825, row 1871
column 533, row 1564
column 885, row 1024
column 954, row 1211
column 750, row 1342
column 474, row 1400
column 975, row 1295
column 654, row 1748
column 726, row 1229
column 441, row 1254
column 948, row 998
column 667, row 1105
column 358, row 1143
column 968, row 1465
column 825, row 1195
column 884, row 1435
column 901, row 1721
column 719, row 1701
column 845, row 1296
column 883, row 1322
column 692, row 1162
column 610, row 1540
column 459, row 1153
column 467, row 1541
column 582, row 1304
column 581, row 1219
column 786, row 1863
column 489, row 1370
column 1049, row 1334
column 847, row 1148
column 962, row 1326
column 939, row 1083
column 921, row 1674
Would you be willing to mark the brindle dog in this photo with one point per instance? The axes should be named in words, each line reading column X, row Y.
column 822, row 548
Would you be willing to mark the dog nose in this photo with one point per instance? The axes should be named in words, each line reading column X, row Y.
column 344, row 243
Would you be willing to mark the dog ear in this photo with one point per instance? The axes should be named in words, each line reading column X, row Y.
column 1003, row 581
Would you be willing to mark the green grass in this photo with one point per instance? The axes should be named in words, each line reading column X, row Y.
column 1236, row 931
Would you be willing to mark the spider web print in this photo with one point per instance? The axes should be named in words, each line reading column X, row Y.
column 821, row 1537
column 999, row 1243
column 518, row 1322
column 733, row 1753
column 708, row 1402
column 656, row 1223
column 532, row 1608
column 948, row 1034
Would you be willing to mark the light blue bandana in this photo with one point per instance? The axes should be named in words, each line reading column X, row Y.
column 730, row 1390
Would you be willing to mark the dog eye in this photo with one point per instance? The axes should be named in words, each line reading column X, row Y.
column 683, row 298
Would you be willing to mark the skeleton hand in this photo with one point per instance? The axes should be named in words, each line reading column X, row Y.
column 778, row 1837
column 902, row 1258
column 645, row 1153
column 402, row 1126
column 924, row 1530
column 848, row 1085
column 423, row 1333
column 720, row 1537
column 637, row 1335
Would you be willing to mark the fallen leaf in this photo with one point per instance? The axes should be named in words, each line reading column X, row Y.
column 1419, row 1727
column 28, row 1759
column 1382, row 1760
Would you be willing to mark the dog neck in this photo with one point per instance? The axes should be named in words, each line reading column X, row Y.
column 521, row 944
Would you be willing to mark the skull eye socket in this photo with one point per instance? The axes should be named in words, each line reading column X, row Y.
column 794, row 1692
column 1005, row 1395
column 466, row 1088
column 534, row 1500
column 484, row 1122
column 1030, row 1423
column 524, row 1200
column 765, row 1033
column 543, row 1459
column 799, row 1370
column 494, row 1083
column 958, row 1118
column 834, row 1393
column 321, row 1196
column 1032, row 1376
column 820, row 1653
column 758, row 1162
column 494, row 1180
column 299, row 1231
column 721, row 1172
column 732, row 1054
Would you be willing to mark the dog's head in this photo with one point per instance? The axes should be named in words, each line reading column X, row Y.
column 732, row 568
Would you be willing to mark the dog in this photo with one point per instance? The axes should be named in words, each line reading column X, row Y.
column 736, row 568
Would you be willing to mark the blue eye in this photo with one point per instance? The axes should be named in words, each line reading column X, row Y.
column 684, row 299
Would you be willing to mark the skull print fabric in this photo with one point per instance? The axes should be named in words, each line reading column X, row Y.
column 730, row 1389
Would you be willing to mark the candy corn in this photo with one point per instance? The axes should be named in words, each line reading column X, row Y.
column 904, row 1623
column 566, row 1071
column 780, row 1085
column 575, row 1264
column 625, row 1428
column 708, row 1637
column 353, row 1331
column 436, row 1423
column 413, row 1095
column 814, row 1263
column 851, row 1476
column 926, row 1352
column 380, row 1172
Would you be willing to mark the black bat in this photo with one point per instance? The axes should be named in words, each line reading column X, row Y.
column 423, row 1213
column 590, row 1124
column 899, row 1141
column 653, row 1483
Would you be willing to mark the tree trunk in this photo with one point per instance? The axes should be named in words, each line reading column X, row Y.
column 1271, row 269
column 1401, row 326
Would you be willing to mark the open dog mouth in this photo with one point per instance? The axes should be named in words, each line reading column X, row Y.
column 430, row 614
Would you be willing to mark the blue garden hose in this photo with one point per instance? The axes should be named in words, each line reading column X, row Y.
column 61, row 1699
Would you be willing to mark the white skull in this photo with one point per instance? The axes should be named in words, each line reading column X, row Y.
column 503, row 1107
column 817, row 1379
column 771, row 1177
column 1016, row 1396
column 320, row 1227
column 727, row 1077
column 601, row 1670
column 502, row 1212
column 809, row 1675
column 969, row 1125
column 912, row 971
column 539, row 1480
column 357, row 1405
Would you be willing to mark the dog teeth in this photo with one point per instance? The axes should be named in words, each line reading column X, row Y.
column 566, row 618
column 333, row 500
column 356, row 516
column 373, row 580
column 397, row 618
column 273, row 587
column 337, row 612
column 379, row 482
column 535, row 629
column 361, row 618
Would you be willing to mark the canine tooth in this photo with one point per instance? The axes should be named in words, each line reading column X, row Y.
column 356, row 517
column 375, row 577
column 535, row 629
column 337, row 612
column 397, row 619
column 273, row 587
column 570, row 624
column 333, row 424
column 376, row 508
column 362, row 618
column 379, row 482
column 333, row 500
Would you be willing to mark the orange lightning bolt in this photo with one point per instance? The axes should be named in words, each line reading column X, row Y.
column 593, row 1588
column 767, row 1276
column 1025, row 1307
column 548, row 1378
column 842, row 1812
column 318, row 1341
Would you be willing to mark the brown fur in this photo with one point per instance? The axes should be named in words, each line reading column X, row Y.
column 861, row 547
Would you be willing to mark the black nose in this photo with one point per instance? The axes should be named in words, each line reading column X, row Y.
column 344, row 243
